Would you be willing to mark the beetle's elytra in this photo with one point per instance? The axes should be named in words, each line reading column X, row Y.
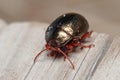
column 65, row 33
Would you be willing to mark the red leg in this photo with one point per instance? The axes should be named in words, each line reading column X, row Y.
column 47, row 48
column 86, row 35
column 86, row 46
column 78, row 43
column 58, row 49
column 38, row 55
column 54, row 49
column 65, row 57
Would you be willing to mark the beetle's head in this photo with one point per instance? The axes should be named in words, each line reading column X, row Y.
column 54, row 43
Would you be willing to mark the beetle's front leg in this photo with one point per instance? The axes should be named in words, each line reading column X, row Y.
column 68, row 49
column 65, row 57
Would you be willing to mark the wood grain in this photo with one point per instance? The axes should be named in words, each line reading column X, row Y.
column 109, row 68
column 20, row 42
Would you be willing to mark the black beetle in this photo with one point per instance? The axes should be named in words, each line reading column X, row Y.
column 66, row 33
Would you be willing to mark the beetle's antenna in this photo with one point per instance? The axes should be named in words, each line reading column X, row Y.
column 66, row 57
column 39, row 54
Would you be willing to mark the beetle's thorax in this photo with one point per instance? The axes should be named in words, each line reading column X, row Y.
column 64, row 34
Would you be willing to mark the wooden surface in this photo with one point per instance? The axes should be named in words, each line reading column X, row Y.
column 109, row 68
column 20, row 42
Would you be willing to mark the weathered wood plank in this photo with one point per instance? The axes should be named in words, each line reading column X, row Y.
column 59, row 70
column 19, row 43
column 94, row 55
column 2, row 25
column 109, row 68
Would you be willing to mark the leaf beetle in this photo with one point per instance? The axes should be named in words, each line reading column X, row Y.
column 64, row 34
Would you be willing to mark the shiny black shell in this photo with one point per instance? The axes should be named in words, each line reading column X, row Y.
column 65, row 28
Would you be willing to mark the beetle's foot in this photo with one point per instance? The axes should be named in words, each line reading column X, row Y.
column 87, row 46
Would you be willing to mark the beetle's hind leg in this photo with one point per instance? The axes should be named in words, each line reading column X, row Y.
column 86, row 46
column 86, row 35
column 82, row 40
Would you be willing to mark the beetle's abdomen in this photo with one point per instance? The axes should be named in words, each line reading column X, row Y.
column 64, row 28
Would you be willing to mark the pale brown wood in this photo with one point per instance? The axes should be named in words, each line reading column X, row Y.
column 20, row 42
column 109, row 68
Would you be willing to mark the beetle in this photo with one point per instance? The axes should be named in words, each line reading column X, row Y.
column 66, row 33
